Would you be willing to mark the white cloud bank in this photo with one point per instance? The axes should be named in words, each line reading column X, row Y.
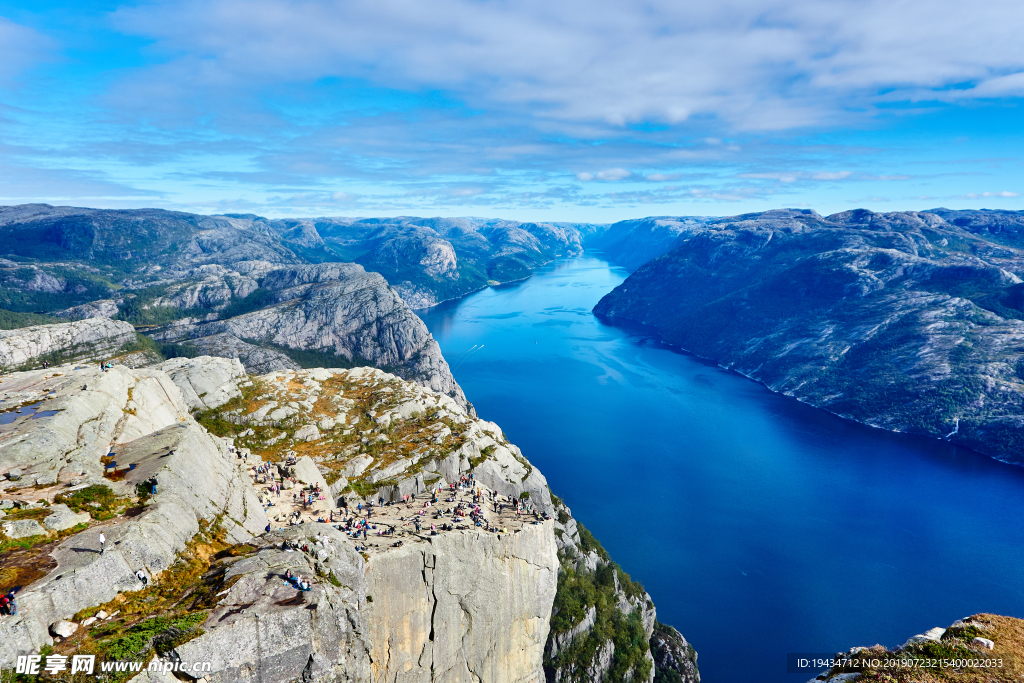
column 754, row 64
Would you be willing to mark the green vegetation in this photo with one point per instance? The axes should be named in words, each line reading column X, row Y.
column 9, row 544
column 98, row 500
column 79, row 286
column 158, row 632
column 12, row 320
column 142, row 344
column 312, row 358
column 183, row 350
column 259, row 298
column 578, row 591
column 138, row 308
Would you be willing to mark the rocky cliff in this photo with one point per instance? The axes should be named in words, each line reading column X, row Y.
column 338, row 311
column 632, row 243
column 983, row 648
column 429, row 260
column 91, row 339
column 907, row 321
column 465, row 570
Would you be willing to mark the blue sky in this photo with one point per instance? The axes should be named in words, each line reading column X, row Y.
column 527, row 109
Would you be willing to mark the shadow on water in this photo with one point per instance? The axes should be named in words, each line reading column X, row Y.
column 760, row 525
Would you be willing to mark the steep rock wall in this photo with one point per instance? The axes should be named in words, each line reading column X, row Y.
column 90, row 339
column 467, row 607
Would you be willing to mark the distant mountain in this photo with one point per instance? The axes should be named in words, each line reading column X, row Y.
column 429, row 260
column 911, row 321
column 634, row 242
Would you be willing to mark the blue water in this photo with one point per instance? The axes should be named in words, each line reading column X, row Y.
column 760, row 525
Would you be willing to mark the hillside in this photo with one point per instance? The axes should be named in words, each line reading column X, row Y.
column 907, row 321
column 468, row 568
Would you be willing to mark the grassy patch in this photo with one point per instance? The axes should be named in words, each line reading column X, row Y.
column 98, row 500
column 578, row 592
column 13, row 320
column 166, row 613
column 913, row 661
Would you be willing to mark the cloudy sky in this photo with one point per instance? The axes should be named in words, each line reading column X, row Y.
column 529, row 109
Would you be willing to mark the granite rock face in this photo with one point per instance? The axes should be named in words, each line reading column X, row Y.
column 103, row 308
column 91, row 339
column 429, row 260
column 205, row 382
column 142, row 416
column 467, row 607
column 336, row 309
column 908, row 321
column 461, row 603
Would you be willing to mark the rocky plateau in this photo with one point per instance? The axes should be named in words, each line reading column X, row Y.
column 192, row 469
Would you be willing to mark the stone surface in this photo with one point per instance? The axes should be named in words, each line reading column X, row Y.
column 983, row 642
column 102, row 308
column 143, row 415
column 61, row 517
column 205, row 382
column 307, row 433
column 63, row 628
column 336, row 309
column 468, row 606
column 92, row 339
column 22, row 528
column 265, row 630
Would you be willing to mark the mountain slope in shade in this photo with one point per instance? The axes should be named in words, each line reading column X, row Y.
column 907, row 321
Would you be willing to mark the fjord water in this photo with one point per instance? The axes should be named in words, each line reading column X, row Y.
column 760, row 526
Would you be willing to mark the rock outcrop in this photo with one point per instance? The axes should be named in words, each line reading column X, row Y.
column 265, row 629
column 911, row 322
column 430, row 260
column 978, row 649
column 207, row 382
column 92, row 339
column 142, row 417
column 460, row 573
column 338, row 310
column 103, row 308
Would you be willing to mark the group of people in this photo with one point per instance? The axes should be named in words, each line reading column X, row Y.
column 296, row 581
column 8, row 605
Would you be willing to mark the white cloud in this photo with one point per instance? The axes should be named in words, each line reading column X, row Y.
column 611, row 174
column 20, row 48
column 755, row 64
column 794, row 176
column 983, row 195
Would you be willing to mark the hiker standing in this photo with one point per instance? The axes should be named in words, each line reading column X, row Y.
column 103, row 543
